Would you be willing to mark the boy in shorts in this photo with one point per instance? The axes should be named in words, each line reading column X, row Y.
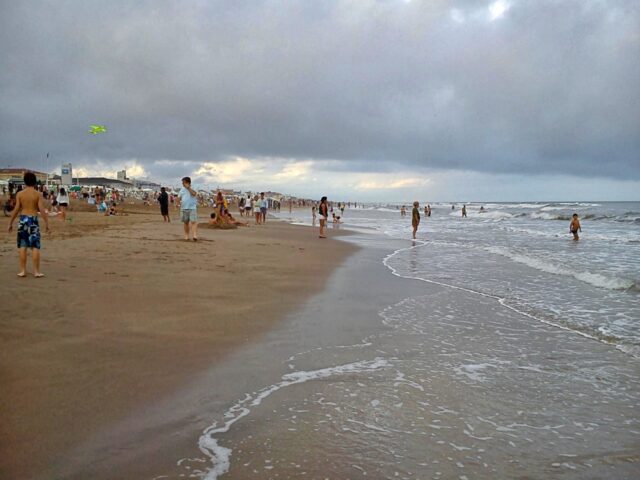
column 188, row 209
column 29, row 203
column 574, row 227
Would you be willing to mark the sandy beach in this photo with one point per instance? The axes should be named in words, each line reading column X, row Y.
column 129, row 312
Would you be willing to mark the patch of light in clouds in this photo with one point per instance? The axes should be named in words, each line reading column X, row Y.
column 497, row 9
column 386, row 183
column 109, row 170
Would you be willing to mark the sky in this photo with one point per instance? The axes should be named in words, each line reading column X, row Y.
column 366, row 100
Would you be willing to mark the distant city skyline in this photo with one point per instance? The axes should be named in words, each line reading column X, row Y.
column 375, row 100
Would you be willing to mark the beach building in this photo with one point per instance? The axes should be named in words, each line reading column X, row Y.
column 103, row 182
column 144, row 184
column 14, row 175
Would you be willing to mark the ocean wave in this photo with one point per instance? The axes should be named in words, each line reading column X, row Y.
column 593, row 216
column 576, row 204
column 550, row 208
column 549, row 216
column 619, row 238
column 595, row 279
column 486, row 215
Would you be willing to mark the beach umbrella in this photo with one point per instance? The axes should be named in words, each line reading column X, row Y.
column 75, row 188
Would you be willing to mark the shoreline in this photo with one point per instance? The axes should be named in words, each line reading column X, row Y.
column 384, row 364
column 130, row 313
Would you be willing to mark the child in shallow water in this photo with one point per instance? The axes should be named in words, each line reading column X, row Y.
column 574, row 227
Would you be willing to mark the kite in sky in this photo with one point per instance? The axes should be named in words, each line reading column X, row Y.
column 96, row 129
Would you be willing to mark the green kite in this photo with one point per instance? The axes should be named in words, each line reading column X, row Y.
column 96, row 129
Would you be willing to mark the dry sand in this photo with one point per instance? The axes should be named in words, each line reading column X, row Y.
column 129, row 312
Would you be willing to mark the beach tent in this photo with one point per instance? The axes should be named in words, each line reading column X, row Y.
column 75, row 188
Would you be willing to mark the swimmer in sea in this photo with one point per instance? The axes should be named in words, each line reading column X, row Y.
column 575, row 227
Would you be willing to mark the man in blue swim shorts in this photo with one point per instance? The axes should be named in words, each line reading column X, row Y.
column 28, row 204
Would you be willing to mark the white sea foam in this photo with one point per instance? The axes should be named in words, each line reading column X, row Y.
column 472, row 371
column 595, row 279
column 548, row 216
column 384, row 209
column 494, row 215
column 550, row 208
column 220, row 456
column 502, row 301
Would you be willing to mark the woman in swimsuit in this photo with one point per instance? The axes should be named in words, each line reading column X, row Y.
column 323, row 210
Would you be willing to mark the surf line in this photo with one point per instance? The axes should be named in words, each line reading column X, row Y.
column 220, row 456
column 502, row 301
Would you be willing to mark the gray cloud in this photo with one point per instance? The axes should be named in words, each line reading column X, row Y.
column 551, row 87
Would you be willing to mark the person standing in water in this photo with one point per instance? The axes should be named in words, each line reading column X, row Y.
column 29, row 203
column 574, row 227
column 464, row 211
column 323, row 211
column 415, row 218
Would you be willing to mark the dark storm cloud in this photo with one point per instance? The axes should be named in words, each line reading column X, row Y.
column 549, row 87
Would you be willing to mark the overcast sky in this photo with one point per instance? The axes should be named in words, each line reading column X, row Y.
column 357, row 99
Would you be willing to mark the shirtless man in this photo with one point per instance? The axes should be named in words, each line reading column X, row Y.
column 28, row 204
column 574, row 227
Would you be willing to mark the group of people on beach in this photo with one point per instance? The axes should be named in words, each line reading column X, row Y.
column 187, row 202
column 29, row 203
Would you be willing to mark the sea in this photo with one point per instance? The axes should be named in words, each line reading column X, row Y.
column 490, row 347
column 524, row 254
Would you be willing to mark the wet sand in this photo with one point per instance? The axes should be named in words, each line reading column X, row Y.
column 129, row 313
column 385, row 377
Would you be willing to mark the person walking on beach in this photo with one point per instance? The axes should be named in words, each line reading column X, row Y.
column 189, row 209
column 241, row 206
column 256, row 209
column 323, row 211
column 163, row 200
column 248, row 206
column 415, row 218
column 29, row 203
column 63, row 203
column 313, row 216
column 574, row 227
